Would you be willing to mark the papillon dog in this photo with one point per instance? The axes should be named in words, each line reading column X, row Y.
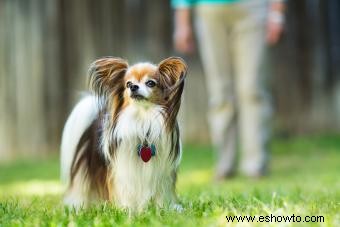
column 122, row 143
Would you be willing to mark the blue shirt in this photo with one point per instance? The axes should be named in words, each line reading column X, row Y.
column 189, row 3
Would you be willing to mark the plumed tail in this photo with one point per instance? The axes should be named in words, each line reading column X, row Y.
column 80, row 119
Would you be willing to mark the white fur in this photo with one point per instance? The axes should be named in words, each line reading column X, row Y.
column 135, row 183
column 79, row 120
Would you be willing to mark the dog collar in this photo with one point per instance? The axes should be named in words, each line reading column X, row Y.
column 145, row 152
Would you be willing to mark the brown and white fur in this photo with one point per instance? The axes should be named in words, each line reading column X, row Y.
column 99, row 160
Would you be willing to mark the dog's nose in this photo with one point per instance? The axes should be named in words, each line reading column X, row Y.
column 134, row 87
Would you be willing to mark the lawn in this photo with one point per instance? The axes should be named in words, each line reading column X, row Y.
column 304, row 180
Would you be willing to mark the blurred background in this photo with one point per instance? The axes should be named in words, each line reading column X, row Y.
column 46, row 47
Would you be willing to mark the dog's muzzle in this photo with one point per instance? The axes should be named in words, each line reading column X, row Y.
column 137, row 96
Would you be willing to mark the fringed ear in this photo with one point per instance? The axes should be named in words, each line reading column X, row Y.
column 106, row 77
column 172, row 73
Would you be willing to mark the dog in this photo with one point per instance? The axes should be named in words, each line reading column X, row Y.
column 122, row 142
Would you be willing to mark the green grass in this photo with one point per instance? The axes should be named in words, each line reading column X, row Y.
column 304, row 180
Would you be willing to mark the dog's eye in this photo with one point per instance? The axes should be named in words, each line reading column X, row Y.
column 150, row 83
column 128, row 84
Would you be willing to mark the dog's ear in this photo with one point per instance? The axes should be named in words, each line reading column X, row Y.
column 106, row 76
column 172, row 72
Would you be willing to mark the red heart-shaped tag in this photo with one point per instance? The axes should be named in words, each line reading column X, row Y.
column 145, row 153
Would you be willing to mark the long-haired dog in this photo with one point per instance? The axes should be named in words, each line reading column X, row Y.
column 122, row 143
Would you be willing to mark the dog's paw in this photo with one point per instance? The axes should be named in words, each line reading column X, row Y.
column 73, row 202
column 177, row 207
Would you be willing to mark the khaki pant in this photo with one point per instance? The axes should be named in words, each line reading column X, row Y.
column 231, row 40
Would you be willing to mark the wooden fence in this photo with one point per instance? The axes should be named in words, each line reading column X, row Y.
column 47, row 45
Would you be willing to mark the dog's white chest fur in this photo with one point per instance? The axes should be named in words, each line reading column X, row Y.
column 140, row 121
column 136, row 182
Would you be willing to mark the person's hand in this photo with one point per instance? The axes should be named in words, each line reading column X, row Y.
column 184, row 40
column 183, row 36
column 275, row 23
column 274, row 32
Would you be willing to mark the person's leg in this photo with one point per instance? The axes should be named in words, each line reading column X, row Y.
column 253, row 101
column 211, row 29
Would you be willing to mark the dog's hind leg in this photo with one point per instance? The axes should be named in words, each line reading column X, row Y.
column 77, row 195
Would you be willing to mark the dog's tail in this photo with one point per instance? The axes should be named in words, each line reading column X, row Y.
column 80, row 119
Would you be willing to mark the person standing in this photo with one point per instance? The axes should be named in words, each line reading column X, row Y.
column 232, row 38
